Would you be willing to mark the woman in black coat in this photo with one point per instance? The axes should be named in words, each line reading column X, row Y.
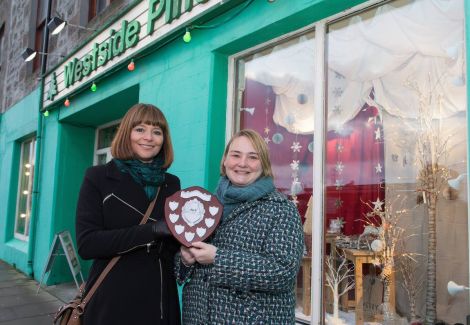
column 141, row 287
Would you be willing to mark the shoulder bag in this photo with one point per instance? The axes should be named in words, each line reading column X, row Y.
column 70, row 313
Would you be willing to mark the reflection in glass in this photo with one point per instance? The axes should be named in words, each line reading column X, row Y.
column 275, row 98
column 25, row 185
column 396, row 135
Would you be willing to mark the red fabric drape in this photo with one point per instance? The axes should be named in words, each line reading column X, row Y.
column 361, row 153
column 262, row 99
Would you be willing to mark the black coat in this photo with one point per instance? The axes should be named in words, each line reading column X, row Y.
column 141, row 288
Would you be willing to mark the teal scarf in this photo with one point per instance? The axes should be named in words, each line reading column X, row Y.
column 149, row 175
column 232, row 196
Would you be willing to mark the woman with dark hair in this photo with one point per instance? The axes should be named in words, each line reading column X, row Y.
column 141, row 287
column 246, row 273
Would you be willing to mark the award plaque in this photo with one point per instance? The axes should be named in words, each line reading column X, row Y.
column 192, row 214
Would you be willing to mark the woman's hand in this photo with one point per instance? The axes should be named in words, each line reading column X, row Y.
column 203, row 253
column 186, row 256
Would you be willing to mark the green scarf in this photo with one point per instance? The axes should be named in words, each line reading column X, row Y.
column 149, row 175
column 232, row 196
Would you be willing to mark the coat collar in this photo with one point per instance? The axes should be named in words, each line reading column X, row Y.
column 112, row 170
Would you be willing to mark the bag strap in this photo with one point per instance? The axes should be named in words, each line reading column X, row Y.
column 115, row 259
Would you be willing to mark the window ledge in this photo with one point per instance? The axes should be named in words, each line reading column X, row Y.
column 19, row 245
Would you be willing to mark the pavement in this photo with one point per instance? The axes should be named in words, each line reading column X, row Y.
column 20, row 304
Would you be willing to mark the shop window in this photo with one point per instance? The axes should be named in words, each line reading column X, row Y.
column 25, row 187
column 97, row 6
column 396, row 160
column 275, row 98
column 104, row 137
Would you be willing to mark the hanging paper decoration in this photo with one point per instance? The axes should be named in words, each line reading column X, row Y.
column 310, row 146
column 278, row 138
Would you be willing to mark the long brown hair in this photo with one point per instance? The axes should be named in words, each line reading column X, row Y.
column 141, row 114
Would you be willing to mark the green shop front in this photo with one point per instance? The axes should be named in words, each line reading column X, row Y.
column 362, row 104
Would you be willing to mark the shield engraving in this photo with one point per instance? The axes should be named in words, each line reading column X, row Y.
column 192, row 214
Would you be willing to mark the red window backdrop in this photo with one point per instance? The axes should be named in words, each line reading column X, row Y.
column 352, row 179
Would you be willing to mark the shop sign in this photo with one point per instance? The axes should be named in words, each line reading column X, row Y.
column 146, row 23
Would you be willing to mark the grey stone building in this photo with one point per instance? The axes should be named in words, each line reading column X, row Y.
column 22, row 24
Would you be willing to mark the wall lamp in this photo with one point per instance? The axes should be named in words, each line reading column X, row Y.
column 29, row 54
column 455, row 182
column 56, row 24
column 454, row 288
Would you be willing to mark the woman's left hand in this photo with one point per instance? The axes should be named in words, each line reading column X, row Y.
column 203, row 253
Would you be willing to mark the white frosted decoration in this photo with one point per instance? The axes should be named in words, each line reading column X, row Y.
column 179, row 229
column 189, row 236
column 174, row 217
column 213, row 210
column 458, row 81
column 201, row 231
column 454, row 288
column 209, row 222
column 193, row 212
column 196, row 193
column 173, row 205
column 453, row 51
column 377, row 245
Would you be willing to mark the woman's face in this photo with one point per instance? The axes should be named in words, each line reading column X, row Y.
column 146, row 141
column 242, row 163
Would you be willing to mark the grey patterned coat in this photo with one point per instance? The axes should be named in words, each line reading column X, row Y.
column 252, row 280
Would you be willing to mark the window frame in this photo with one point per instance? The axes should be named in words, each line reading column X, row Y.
column 32, row 141
column 94, row 8
column 319, row 150
column 107, row 150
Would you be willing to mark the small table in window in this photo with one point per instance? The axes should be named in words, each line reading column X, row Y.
column 358, row 258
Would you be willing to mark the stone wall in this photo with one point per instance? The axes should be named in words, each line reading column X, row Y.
column 17, row 78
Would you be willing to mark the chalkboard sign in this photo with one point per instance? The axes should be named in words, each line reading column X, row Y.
column 62, row 245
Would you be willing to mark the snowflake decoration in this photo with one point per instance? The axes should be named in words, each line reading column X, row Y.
column 378, row 204
column 378, row 168
column 339, row 147
column 267, row 140
column 267, row 101
column 337, row 109
column 339, row 167
column 378, row 134
column 338, row 203
column 266, row 130
column 339, row 185
column 337, row 92
column 296, row 146
column 294, row 165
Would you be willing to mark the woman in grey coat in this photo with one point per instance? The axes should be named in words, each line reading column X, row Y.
column 246, row 273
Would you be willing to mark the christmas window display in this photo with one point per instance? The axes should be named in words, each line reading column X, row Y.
column 396, row 160
column 276, row 100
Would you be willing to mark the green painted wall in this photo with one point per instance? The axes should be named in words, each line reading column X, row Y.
column 19, row 122
column 188, row 81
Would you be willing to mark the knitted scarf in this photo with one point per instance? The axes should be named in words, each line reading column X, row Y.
column 148, row 175
column 232, row 196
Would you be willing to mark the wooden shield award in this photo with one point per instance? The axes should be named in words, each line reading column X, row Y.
column 192, row 214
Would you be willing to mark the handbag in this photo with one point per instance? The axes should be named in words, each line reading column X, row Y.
column 71, row 312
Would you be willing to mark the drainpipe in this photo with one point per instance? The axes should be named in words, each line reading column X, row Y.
column 37, row 158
